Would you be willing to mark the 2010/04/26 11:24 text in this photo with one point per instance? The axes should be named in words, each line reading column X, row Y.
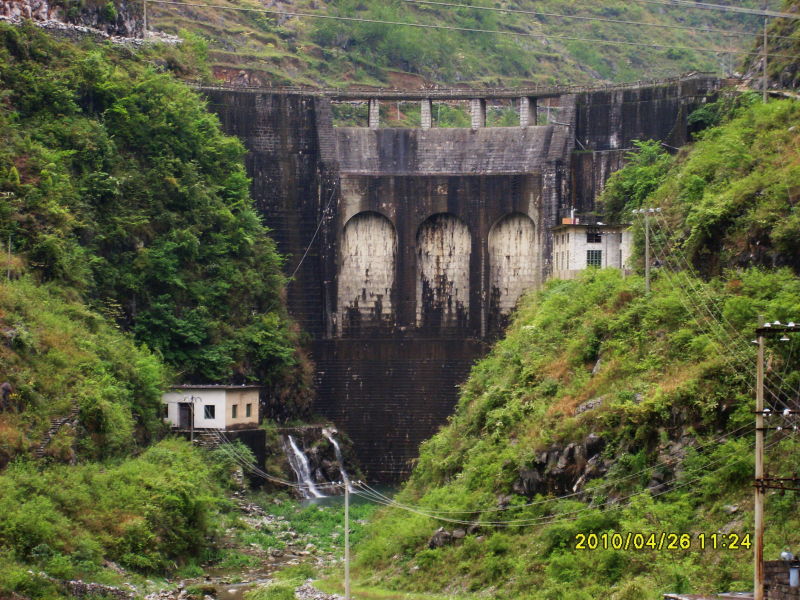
column 662, row 541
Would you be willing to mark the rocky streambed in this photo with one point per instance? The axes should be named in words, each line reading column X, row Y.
column 226, row 583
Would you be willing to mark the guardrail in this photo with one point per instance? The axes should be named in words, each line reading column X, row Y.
column 366, row 93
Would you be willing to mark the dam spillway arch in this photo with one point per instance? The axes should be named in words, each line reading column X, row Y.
column 366, row 275
column 443, row 246
column 513, row 264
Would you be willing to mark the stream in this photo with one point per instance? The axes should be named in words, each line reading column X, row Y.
column 292, row 548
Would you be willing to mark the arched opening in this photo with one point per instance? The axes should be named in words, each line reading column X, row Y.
column 366, row 273
column 443, row 252
column 513, row 264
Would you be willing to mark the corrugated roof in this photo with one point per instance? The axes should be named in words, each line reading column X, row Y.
column 214, row 386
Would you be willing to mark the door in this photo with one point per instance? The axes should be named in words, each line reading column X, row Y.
column 184, row 415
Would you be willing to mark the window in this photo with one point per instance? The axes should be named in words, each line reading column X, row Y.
column 164, row 411
column 210, row 411
column 248, row 410
column 593, row 236
column 234, row 411
column 594, row 258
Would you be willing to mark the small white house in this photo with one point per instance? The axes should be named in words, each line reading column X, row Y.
column 211, row 406
column 577, row 246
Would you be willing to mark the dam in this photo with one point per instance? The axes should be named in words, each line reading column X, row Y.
column 411, row 246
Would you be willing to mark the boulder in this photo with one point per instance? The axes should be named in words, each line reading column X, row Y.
column 440, row 538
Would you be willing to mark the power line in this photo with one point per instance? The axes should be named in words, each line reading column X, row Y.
column 727, row 327
column 685, row 296
column 379, row 498
column 607, row 483
column 721, row 8
column 724, row 32
column 468, row 29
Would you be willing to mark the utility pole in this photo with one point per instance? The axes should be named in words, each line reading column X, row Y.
column 647, row 251
column 144, row 12
column 646, row 212
column 763, row 483
column 347, row 542
column 758, row 558
column 765, row 60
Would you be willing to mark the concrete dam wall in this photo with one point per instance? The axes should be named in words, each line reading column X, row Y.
column 414, row 245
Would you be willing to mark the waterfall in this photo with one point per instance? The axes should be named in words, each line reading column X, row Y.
column 299, row 464
column 338, row 451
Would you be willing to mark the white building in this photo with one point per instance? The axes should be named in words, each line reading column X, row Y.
column 212, row 406
column 577, row 246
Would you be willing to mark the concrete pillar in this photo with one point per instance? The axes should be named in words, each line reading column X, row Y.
column 374, row 113
column 527, row 111
column 477, row 108
column 425, row 113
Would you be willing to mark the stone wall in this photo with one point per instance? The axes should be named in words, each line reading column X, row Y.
column 493, row 150
column 776, row 575
column 610, row 120
column 390, row 394
column 607, row 123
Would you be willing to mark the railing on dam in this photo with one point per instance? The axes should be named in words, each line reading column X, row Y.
column 449, row 93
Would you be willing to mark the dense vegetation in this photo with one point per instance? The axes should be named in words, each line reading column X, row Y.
column 131, row 258
column 120, row 185
column 732, row 199
column 147, row 514
column 58, row 354
column 662, row 384
column 537, row 43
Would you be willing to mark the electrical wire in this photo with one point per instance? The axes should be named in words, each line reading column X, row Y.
column 721, row 8
column 607, row 483
column 316, row 231
column 683, row 297
column 467, row 29
column 723, row 32
column 375, row 496
column 730, row 330
column 380, row 499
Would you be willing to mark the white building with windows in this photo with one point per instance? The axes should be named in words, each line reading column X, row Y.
column 577, row 246
column 228, row 407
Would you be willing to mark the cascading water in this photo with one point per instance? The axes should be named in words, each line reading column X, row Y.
column 299, row 463
column 329, row 436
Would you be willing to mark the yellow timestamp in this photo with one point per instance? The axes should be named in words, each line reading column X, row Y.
column 662, row 540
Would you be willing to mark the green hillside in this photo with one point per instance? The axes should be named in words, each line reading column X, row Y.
column 531, row 48
column 132, row 259
column 119, row 184
column 783, row 71
column 638, row 409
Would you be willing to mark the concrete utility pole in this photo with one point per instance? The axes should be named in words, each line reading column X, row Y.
column 346, row 541
column 763, row 483
column 647, row 252
column 144, row 13
column 758, row 558
column 765, row 60
column 646, row 212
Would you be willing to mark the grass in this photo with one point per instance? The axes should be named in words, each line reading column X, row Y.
column 359, row 592
column 371, row 53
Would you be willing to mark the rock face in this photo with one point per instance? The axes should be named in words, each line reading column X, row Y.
column 563, row 470
column 115, row 17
